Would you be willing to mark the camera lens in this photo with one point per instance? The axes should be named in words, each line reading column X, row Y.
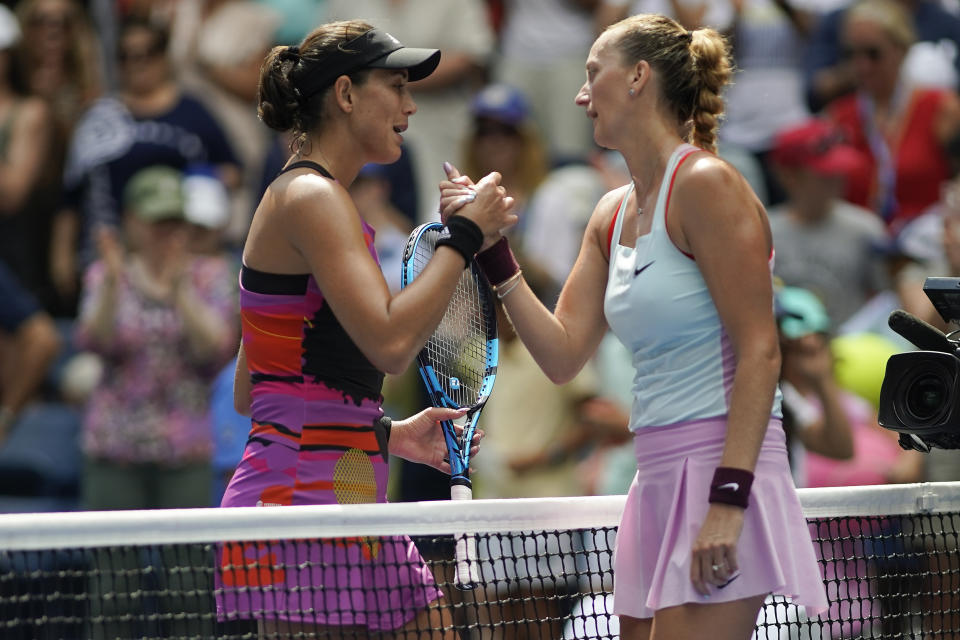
column 925, row 396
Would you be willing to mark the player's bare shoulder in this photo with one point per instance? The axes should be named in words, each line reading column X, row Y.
column 707, row 183
column 308, row 189
column 705, row 173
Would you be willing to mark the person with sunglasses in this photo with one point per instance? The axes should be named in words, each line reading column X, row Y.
column 150, row 120
column 827, row 74
column 902, row 127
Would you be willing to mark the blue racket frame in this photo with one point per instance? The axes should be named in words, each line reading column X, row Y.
column 457, row 447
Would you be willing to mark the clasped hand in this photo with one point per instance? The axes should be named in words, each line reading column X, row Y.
column 486, row 203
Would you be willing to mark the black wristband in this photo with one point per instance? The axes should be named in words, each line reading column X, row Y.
column 462, row 234
column 731, row 486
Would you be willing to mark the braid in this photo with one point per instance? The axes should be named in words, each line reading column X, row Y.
column 693, row 67
column 711, row 63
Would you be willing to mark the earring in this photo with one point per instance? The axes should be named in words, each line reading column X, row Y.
column 631, row 92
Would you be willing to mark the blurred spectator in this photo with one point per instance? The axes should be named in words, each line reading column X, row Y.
column 28, row 344
column 543, row 44
column 60, row 59
column 462, row 31
column 830, row 75
column 903, row 129
column 206, row 209
column 164, row 322
column 296, row 18
column 823, row 243
column 769, row 43
column 216, row 49
column 831, row 423
column 150, row 121
column 505, row 138
column 932, row 241
column 27, row 172
column 557, row 214
column 692, row 14
column 842, row 443
column 371, row 193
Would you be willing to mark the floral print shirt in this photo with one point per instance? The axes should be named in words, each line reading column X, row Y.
column 152, row 405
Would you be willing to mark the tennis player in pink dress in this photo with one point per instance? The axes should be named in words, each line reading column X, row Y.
column 319, row 329
column 678, row 265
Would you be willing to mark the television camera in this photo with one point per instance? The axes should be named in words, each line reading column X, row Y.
column 920, row 393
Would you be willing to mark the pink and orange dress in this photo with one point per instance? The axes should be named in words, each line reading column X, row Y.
column 315, row 438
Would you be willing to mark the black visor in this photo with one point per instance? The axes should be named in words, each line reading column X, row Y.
column 374, row 49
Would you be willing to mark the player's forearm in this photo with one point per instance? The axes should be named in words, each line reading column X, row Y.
column 544, row 335
column 413, row 314
column 751, row 403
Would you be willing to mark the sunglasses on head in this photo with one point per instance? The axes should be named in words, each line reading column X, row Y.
column 871, row 53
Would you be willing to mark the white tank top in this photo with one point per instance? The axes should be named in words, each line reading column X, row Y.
column 658, row 305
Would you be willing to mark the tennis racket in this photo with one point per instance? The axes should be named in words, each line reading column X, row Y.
column 458, row 365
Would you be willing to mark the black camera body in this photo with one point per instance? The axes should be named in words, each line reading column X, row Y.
column 920, row 393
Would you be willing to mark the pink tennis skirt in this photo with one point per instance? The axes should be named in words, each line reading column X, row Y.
column 667, row 504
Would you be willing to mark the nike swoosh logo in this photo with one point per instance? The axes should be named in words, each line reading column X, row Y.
column 730, row 486
column 640, row 270
column 732, row 578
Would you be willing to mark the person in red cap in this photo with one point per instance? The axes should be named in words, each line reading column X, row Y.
column 824, row 243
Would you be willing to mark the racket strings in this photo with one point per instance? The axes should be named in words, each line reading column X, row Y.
column 457, row 350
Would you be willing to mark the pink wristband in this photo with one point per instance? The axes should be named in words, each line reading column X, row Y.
column 731, row 486
column 497, row 263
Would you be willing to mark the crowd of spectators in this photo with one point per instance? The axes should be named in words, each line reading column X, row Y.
column 119, row 295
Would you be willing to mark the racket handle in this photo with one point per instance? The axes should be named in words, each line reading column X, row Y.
column 465, row 554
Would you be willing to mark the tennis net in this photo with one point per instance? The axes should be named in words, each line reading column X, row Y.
column 889, row 555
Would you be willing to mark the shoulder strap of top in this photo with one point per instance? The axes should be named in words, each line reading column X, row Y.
column 613, row 233
column 681, row 153
column 307, row 164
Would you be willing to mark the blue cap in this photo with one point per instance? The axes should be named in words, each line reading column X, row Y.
column 502, row 103
column 800, row 313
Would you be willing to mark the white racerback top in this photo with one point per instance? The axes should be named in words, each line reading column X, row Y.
column 658, row 305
